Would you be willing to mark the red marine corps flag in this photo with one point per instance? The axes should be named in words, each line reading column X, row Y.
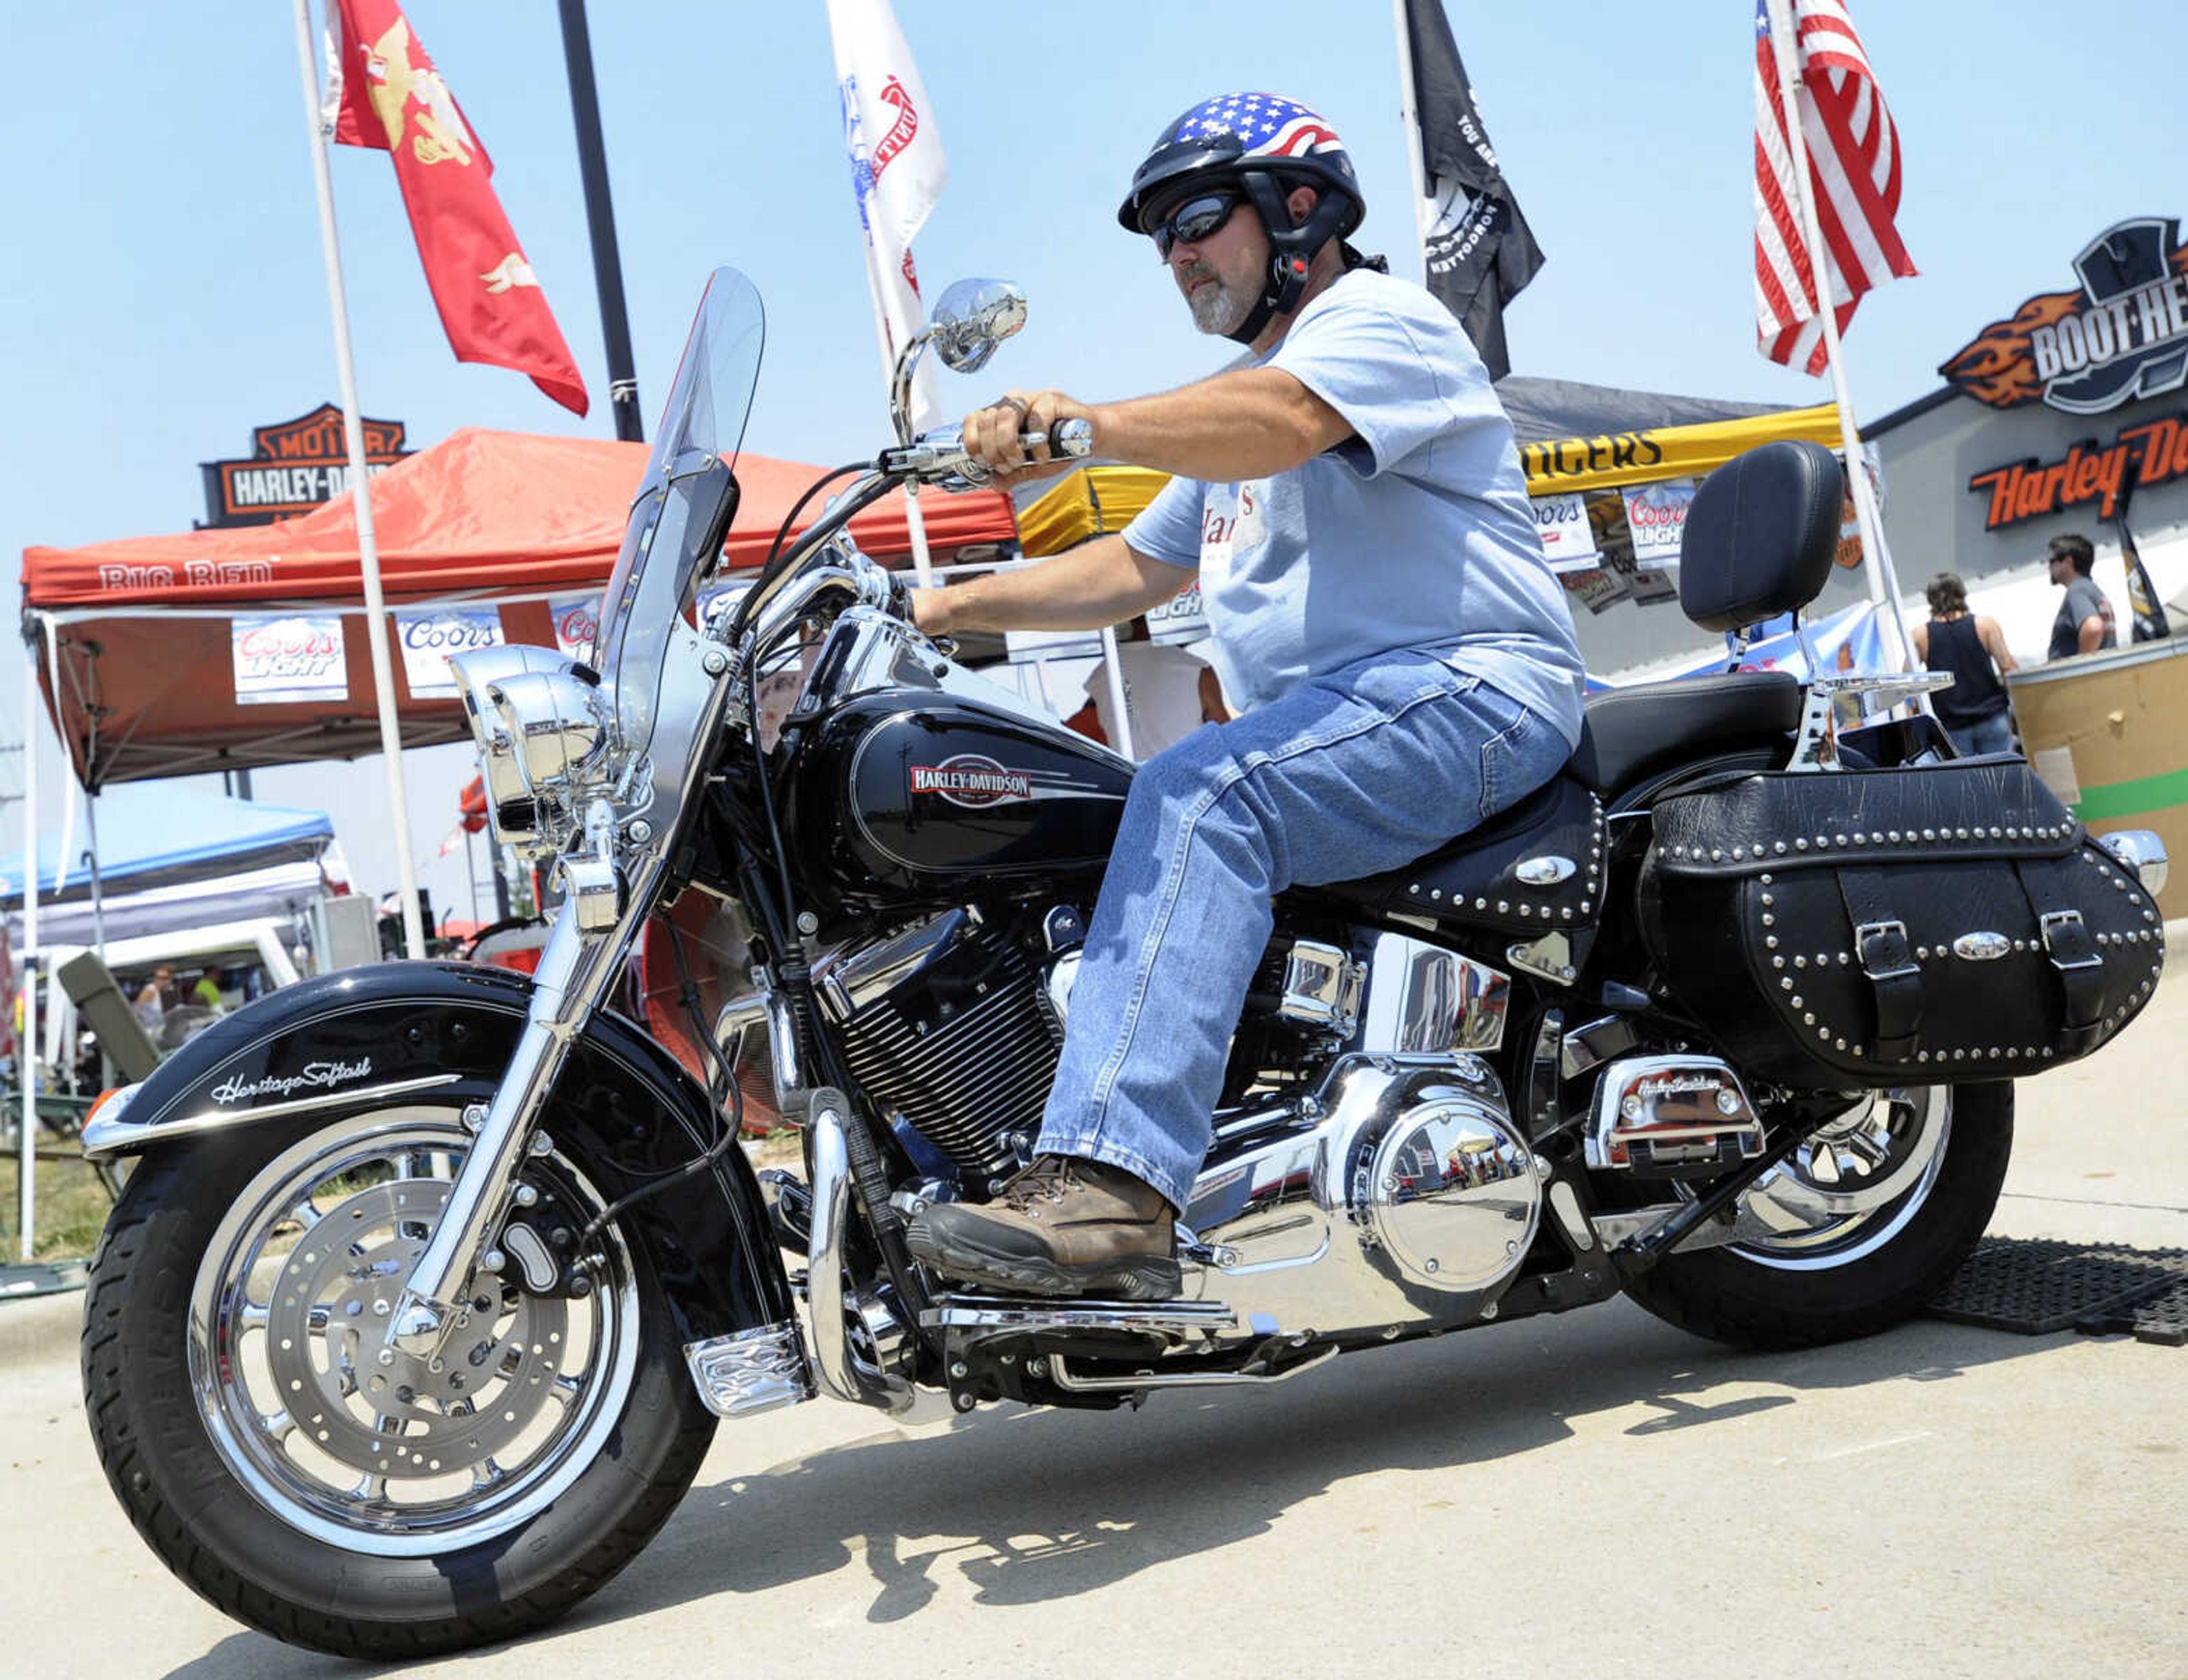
column 387, row 94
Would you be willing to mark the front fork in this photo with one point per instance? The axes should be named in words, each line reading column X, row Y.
column 574, row 972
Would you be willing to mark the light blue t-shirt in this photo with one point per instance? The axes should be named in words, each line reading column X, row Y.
column 1414, row 533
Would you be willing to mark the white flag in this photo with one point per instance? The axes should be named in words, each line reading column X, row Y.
column 896, row 169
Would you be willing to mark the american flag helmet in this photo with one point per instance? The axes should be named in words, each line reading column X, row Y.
column 1237, row 135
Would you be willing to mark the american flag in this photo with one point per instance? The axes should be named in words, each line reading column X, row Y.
column 1853, row 176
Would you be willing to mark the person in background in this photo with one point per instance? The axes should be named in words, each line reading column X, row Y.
column 1163, row 695
column 158, row 995
column 2086, row 621
column 1974, row 710
column 206, row 992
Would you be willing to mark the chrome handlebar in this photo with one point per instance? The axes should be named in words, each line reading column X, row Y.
column 940, row 457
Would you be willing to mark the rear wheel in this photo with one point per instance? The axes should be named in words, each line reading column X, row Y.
column 369, row 1504
column 1856, row 1232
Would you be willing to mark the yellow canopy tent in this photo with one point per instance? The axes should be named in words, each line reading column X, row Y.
column 1097, row 499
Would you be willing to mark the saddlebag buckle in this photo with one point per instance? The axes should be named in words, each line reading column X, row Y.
column 1884, row 943
column 2067, row 938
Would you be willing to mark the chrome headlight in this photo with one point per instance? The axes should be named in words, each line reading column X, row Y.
column 529, row 741
column 557, row 723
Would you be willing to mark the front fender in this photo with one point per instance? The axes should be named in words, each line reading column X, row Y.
column 395, row 1031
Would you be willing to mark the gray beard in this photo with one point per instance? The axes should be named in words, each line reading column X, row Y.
column 1218, row 313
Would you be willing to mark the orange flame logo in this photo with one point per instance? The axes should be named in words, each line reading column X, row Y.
column 1995, row 367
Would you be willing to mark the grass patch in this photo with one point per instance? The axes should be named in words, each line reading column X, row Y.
column 71, row 1211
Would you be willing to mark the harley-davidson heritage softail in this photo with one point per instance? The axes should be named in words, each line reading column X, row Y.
column 417, row 1315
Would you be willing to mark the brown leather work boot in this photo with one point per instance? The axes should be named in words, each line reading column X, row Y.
column 1063, row 1226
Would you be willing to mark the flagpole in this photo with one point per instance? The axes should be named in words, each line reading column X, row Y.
column 599, row 219
column 1409, row 114
column 885, row 332
column 1882, row 579
column 368, row 548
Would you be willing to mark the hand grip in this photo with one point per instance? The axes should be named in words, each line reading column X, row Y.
column 1073, row 437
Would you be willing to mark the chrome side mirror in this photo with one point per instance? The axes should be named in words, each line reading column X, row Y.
column 971, row 318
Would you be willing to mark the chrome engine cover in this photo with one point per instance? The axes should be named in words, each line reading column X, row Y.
column 1399, row 1194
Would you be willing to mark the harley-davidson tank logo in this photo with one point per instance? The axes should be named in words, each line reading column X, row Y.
column 972, row 781
column 313, row 1076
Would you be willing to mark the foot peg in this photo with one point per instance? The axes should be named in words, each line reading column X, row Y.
column 1176, row 1321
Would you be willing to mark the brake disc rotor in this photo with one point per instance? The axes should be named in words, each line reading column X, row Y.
column 394, row 1413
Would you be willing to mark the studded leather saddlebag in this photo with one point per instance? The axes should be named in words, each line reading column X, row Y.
column 1868, row 927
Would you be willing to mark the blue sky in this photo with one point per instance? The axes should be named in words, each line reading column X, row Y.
column 163, row 291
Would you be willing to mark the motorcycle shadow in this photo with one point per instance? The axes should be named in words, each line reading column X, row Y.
column 1031, row 1506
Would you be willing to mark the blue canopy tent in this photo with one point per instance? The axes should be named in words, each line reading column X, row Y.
column 170, row 857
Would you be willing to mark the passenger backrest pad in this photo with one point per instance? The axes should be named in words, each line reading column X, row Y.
column 1760, row 535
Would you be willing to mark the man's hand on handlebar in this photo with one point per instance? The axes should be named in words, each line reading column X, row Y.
column 992, row 435
column 924, row 610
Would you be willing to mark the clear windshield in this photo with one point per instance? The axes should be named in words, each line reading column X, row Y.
column 659, row 570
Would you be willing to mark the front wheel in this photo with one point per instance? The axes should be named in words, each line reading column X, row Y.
column 367, row 1503
column 1855, row 1232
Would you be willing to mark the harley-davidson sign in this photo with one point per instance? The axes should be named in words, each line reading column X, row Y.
column 2124, row 336
column 295, row 466
column 2151, row 453
column 972, row 781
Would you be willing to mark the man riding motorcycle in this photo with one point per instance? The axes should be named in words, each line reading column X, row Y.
column 1403, row 660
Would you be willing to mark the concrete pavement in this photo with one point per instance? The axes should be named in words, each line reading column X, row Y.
column 1596, row 1494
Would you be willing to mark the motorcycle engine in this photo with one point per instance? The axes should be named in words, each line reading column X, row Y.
column 1401, row 1193
column 948, row 1027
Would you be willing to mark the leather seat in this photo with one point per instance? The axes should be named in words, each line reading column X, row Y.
column 1630, row 732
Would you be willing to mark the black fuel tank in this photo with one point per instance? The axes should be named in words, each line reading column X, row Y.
column 913, row 797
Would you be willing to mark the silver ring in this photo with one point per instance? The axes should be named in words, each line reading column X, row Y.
column 1017, row 402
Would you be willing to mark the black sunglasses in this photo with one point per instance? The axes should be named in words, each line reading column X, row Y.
column 1193, row 221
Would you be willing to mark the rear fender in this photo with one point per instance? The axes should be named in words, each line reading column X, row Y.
column 392, row 1033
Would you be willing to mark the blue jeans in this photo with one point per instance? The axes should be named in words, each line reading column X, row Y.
column 1985, row 734
column 1350, row 773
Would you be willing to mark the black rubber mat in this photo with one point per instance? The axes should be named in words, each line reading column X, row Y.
column 2035, row 1287
column 2162, row 1318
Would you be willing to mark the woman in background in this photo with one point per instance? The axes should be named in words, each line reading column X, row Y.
column 1974, row 710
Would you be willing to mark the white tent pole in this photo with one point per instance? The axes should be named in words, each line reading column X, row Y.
column 1409, row 117
column 368, row 550
column 68, row 834
column 1113, row 669
column 98, row 893
column 471, row 874
column 26, row 1040
column 1876, row 561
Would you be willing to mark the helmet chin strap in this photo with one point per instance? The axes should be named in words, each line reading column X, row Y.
column 1294, row 248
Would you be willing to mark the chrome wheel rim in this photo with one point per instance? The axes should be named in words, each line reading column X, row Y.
column 1852, row 1185
column 403, row 1458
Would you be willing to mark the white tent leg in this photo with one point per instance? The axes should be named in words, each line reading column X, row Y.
column 26, row 1040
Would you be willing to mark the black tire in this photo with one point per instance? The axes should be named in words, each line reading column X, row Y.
column 1737, row 1295
column 147, row 1421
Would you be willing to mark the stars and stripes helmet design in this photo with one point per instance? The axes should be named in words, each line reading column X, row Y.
column 1266, row 145
column 1233, row 134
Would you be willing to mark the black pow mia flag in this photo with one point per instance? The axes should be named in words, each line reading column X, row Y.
column 1478, row 249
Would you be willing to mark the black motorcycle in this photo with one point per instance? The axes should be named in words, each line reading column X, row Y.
column 419, row 1308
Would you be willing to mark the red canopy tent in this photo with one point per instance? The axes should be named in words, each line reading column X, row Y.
column 135, row 651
